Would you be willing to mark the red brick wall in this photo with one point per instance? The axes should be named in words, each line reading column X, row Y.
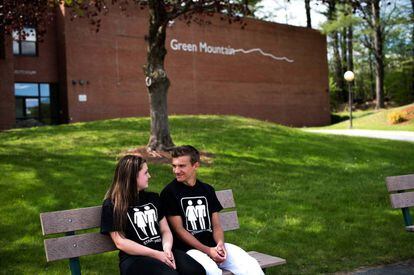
column 110, row 64
column 110, row 61
column 42, row 68
column 7, row 109
column 251, row 85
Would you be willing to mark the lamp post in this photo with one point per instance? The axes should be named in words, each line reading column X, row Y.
column 349, row 77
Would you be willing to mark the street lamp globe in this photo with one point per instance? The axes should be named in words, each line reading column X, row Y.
column 349, row 76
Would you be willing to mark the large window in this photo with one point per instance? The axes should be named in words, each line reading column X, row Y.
column 27, row 45
column 36, row 101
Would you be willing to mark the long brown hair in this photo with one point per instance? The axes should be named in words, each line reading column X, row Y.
column 123, row 190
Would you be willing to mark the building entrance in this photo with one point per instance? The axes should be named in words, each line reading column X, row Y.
column 36, row 104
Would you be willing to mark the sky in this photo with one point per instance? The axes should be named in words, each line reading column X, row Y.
column 290, row 12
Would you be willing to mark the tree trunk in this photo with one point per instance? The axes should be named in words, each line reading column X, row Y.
column 371, row 77
column 350, row 48
column 338, row 67
column 350, row 54
column 308, row 14
column 344, row 58
column 412, row 49
column 156, row 79
column 378, row 54
column 338, row 75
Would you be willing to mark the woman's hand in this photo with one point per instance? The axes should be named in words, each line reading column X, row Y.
column 170, row 256
column 166, row 258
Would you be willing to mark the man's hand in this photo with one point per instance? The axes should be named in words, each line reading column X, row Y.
column 221, row 250
column 213, row 254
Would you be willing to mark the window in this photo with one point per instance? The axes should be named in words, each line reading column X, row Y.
column 36, row 101
column 27, row 45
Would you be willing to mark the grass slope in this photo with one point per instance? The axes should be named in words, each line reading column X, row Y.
column 373, row 120
column 318, row 201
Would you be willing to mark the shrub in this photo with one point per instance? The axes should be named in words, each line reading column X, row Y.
column 397, row 117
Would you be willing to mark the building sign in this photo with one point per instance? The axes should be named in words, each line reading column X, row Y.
column 25, row 72
column 82, row 98
column 203, row 47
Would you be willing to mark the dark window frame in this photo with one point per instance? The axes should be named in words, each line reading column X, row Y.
column 39, row 97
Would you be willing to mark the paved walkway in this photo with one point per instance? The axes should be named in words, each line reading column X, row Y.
column 401, row 268
column 394, row 135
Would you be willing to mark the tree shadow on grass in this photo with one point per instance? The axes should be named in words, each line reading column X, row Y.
column 318, row 201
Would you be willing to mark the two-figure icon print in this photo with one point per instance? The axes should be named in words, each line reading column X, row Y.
column 144, row 219
column 196, row 213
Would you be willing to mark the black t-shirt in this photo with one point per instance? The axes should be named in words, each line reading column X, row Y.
column 195, row 204
column 142, row 224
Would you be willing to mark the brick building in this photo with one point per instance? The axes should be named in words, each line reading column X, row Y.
column 267, row 71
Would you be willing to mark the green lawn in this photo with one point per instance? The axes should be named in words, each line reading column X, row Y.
column 372, row 120
column 318, row 201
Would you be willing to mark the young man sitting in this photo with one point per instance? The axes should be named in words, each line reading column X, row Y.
column 192, row 207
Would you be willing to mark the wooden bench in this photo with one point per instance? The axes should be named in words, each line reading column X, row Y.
column 73, row 246
column 402, row 196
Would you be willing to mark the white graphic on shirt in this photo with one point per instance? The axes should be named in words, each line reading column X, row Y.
column 140, row 220
column 144, row 216
column 191, row 214
column 151, row 218
column 201, row 213
column 197, row 218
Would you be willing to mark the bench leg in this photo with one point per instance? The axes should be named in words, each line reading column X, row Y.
column 74, row 266
column 74, row 263
column 407, row 216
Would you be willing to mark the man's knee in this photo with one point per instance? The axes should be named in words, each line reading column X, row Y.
column 208, row 264
column 213, row 269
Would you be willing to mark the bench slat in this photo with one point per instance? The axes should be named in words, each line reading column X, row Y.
column 85, row 218
column 77, row 245
column 70, row 220
column 226, row 198
column 401, row 200
column 94, row 243
column 90, row 217
column 398, row 183
column 229, row 220
column 264, row 261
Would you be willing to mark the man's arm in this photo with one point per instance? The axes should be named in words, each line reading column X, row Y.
column 177, row 225
column 218, row 235
column 167, row 240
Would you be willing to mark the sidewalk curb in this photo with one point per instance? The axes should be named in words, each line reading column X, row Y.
column 391, row 135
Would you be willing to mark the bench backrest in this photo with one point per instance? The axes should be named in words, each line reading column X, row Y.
column 402, row 194
column 69, row 221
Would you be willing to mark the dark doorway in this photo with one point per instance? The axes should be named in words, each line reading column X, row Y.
column 36, row 104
